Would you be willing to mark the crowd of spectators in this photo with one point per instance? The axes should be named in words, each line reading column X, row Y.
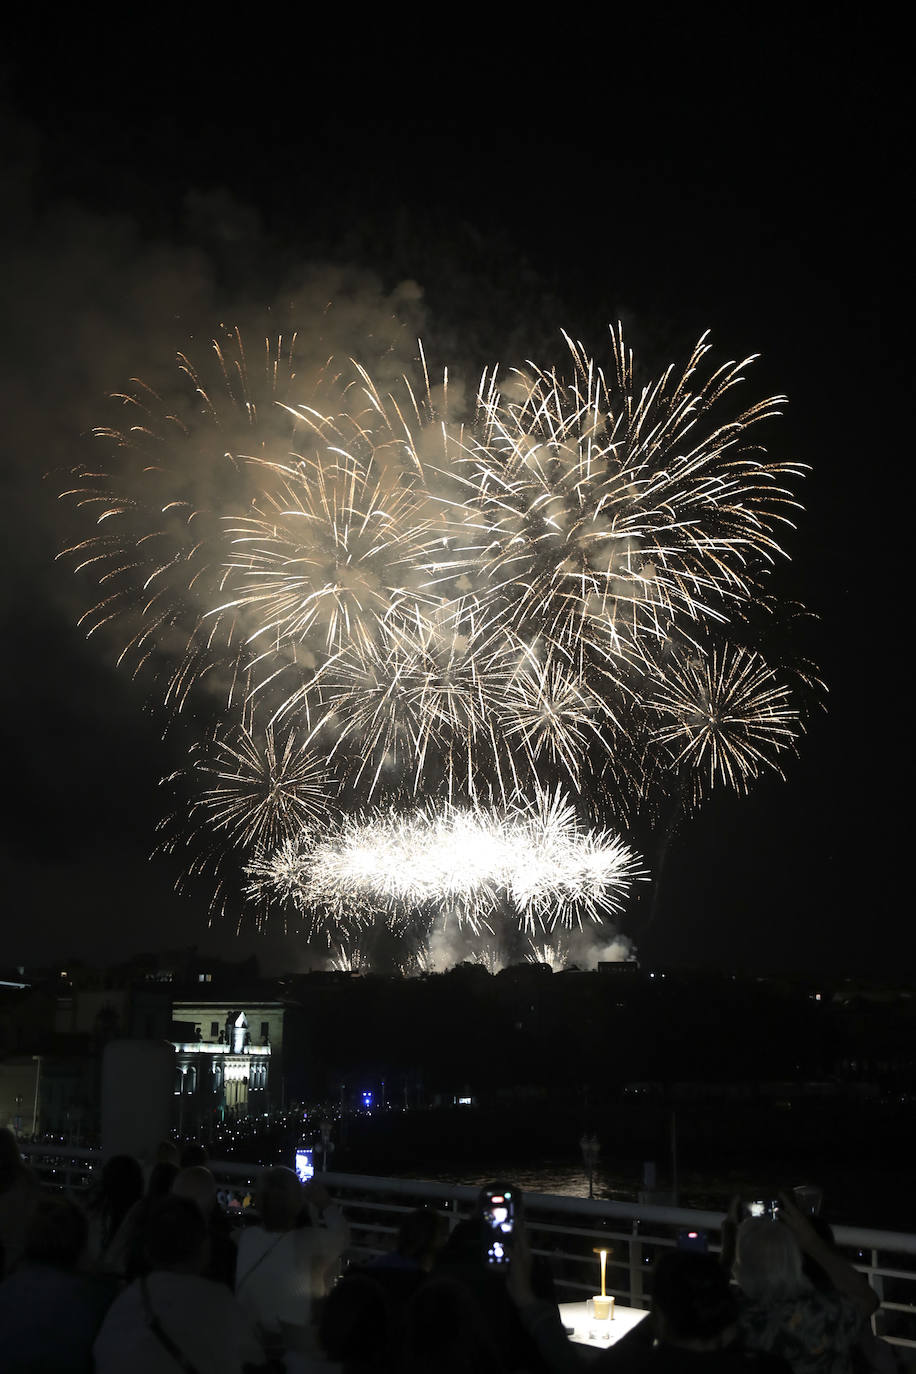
column 151, row 1276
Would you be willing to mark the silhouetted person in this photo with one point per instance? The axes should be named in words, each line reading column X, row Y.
column 18, row 1193
column 159, row 1184
column 447, row 1332
column 198, row 1184
column 402, row 1270
column 284, row 1263
column 174, row 1314
column 50, row 1311
column 120, row 1187
column 871, row 1352
column 463, row 1260
column 354, row 1330
column 194, row 1152
column 815, row 1329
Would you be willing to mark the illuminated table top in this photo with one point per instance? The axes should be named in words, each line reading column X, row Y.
column 586, row 1331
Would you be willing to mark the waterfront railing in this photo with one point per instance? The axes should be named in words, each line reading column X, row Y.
column 567, row 1232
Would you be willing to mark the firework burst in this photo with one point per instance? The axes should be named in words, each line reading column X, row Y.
column 260, row 789
column 447, row 617
column 532, row 864
column 725, row 717
column 331, row 556
column 607, row 512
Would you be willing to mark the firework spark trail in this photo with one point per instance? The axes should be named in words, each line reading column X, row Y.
column 451, row 695
column 395, row 605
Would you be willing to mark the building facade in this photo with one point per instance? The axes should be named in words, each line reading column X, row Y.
column 227, row 1061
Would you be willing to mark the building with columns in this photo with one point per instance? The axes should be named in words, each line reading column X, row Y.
column 227, row 1061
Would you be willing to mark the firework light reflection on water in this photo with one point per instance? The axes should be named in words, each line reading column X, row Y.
column 410, row 619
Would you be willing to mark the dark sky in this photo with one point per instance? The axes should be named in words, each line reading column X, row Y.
column 742, row 174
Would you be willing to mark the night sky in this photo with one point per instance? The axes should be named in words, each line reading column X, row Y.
column 744, row 175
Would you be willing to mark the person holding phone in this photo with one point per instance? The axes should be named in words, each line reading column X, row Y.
column 480, row 1255
column 816, row 1330
column 284, row 1264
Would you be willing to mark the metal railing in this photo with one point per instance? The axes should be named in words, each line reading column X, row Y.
column 567, row 1232
column 564, row 1231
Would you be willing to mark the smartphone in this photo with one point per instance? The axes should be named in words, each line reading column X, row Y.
column 693, row 1240
column 305, row 1163
column 808, row 1198
column 499, row 1208
column 763, row 1207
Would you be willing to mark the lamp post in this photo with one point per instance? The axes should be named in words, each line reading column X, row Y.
column 326, row 1143
column 590, row 1150
column 37, row 1060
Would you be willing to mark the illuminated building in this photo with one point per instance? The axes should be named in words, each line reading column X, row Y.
column 227, row 1060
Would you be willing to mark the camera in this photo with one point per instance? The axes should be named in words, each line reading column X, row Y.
column 499, row 1207
column 808, row 1198
column 693, row 1240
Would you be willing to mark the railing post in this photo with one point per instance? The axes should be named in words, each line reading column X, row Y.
column 877, row 1283
column 635, row 1245
column 454, row 1216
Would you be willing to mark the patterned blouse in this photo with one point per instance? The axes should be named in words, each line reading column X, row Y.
column 814, row 1332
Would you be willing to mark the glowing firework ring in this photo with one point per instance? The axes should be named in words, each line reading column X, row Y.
column 534, row 859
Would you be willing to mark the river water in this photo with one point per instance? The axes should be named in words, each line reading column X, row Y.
column 860, row 1157
column 884, row 1201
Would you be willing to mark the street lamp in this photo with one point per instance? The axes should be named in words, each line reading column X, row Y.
column 590, row 1149
column 327, row 1144
column 36, row 1058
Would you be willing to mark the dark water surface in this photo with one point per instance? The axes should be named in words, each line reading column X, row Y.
column 882, row 1201
column 862, row 1158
